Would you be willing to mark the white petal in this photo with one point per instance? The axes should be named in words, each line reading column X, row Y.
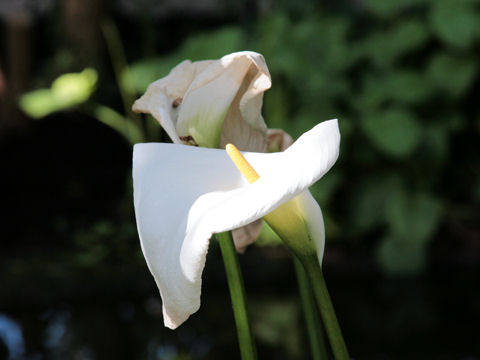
column 160, row 95
column 185, row 194
column 208, row 99
column 244, row 125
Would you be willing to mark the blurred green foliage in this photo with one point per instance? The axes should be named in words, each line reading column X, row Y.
column 401, row 77
column 66, row 91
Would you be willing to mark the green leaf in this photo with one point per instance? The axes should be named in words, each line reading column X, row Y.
column 66, row 91
column 275, row 106
column 272, row 35
column 436, row 145
column 373, row 94
column 399, row 257
column 385, row 47
column 395, row 132
column 38, row 103
column 408, row 86
column 413, row 218
column 74, row 88
column 451, row 74
column 214, row 44
column 370, row 198
column 388, row 9
column 276, row 324
column 124, row 126
column 456, row 22
column 323, row 190
column 142, row 73
column 210, row 45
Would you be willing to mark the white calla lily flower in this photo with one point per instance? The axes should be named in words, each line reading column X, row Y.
column 184, row 194
column 213, row 102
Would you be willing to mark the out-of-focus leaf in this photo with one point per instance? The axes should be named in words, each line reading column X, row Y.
column 275, row 106
column 372, row 95
column 273, row 32
column 408, row 86
column 332, row 229
column 346, row 126
column 38, row 103
column 457, row 22
column 144, row 72
column 395, row 132
column 213, row 45
column 75, row 88
column 209, row 45
column 388, row 9
column 436, row 144
column 276, row 324
column 126, row 127
column 399, row 257
column 329, row 44
column 370, row 198
column 413, row 218
column 455, row 122
column 384, row 48
column 450, row 74
column 404, row 86
column 66, row 91
column 323, row 190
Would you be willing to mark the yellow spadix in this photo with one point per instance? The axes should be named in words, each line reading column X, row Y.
column 287, row 220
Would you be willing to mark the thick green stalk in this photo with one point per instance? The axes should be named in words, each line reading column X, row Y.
column 325, row 306
column 237, row 294
column 312, row 320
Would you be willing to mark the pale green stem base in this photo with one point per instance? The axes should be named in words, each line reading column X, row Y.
column 237, row 294
column 325, row 306
column 314, row 327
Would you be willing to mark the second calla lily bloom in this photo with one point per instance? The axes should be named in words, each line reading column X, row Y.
column 184, row 194
column 212, row 102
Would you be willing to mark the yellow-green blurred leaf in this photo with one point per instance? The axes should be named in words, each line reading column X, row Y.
column 126, row 127
column 66, row 91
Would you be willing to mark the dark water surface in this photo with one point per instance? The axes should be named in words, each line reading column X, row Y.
column 433, row 317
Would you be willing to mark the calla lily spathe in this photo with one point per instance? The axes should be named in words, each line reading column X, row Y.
column 212, row 102
column 184, row 194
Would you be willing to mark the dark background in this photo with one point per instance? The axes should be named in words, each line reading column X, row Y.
column 402, row 204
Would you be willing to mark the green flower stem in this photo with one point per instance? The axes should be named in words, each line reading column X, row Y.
column 325, row 306
column 237, row 294
column 120, row 67
column 312, row 320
